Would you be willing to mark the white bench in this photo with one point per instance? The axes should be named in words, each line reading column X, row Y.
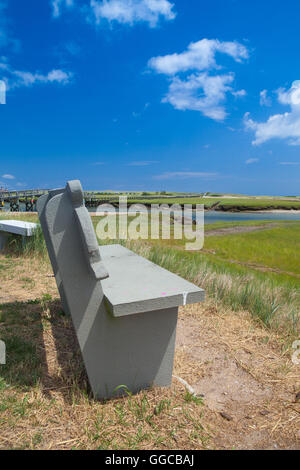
column 124, row 308
column 16, row 227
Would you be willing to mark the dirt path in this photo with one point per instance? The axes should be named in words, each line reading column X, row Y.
column 258, row 267
column 242, row 229
column 244, row 378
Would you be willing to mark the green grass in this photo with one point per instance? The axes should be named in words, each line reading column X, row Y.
column 174, row 200
column 227, row 204
column 257, row 204
column 276, row 305
column 272, row 297
column 23, row 365
column 26, row 216
column 257, row 253
column 19, row 330
column 277, row 248
column 235, row 269
column 34, row 245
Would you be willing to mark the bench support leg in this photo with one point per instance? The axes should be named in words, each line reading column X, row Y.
column 132, row 353
column 3, row 239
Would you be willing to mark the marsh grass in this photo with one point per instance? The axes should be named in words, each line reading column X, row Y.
column 30, row 246
column 227, row 204
column 271, row 298
column 276, row 248
column 276, row 306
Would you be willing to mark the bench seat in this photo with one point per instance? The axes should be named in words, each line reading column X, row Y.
column 15, row 227
column 18, row 227
column 135, row 285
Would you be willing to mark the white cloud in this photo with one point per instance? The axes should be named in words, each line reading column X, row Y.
column 251, row 160
column 57, row 75
column 29, row 79
column 239, row 93
column 143, row 163
column 132, row 11
column 200, row 91
column 8, row 177
column 57, row 5
column 281, row 126
column 289, row 163
column 185, row 175
column 264, row 99
column 290, row 96
column 18, row 78
column 198, row 56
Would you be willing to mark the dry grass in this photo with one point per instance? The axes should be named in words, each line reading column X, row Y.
column 45, row 399
column 243, row 370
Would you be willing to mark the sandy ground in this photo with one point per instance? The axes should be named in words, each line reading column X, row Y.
column 243, row 371
column 244, row 378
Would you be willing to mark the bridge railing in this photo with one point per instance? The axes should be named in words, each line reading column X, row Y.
column 20, row 194
column 90, row 196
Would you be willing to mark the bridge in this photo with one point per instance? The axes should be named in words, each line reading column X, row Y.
column 30, row 197
column 92, row 199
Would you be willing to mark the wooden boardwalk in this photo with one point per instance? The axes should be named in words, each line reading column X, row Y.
column 92, row 199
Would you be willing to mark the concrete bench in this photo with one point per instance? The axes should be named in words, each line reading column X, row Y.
column 124, row 308
column 16, row 227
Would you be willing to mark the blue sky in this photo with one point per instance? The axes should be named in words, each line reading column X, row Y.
column 151, row 95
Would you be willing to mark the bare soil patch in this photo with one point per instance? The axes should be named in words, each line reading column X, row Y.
column 241, row 229
column 245, row 376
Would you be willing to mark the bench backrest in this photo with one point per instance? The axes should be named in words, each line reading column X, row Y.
column 41, row 208
column 75, row 256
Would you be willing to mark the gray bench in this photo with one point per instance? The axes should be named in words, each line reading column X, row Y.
column 124, row 308
column 16, row 227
